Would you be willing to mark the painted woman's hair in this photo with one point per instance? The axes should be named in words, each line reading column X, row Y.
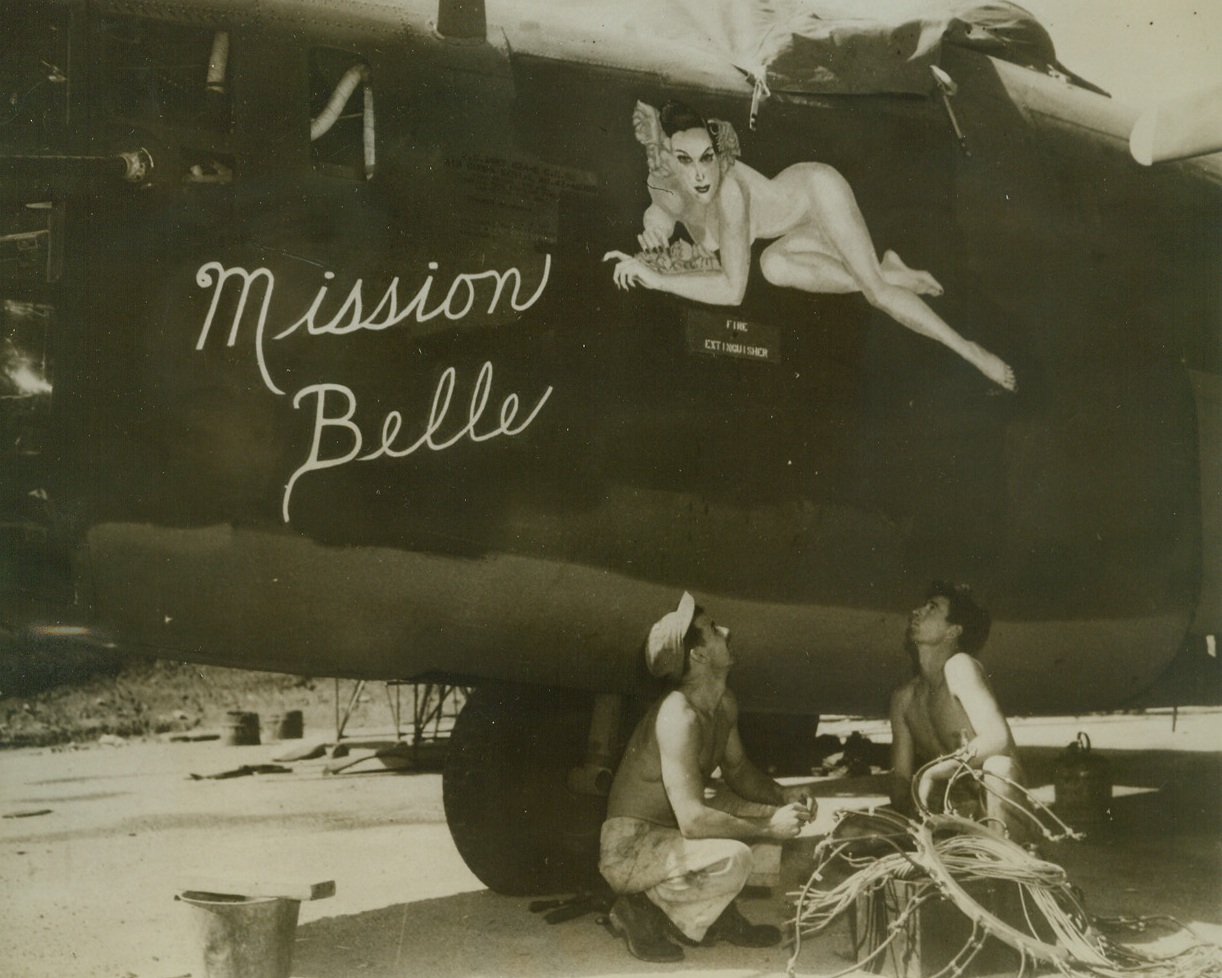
column 677, row 116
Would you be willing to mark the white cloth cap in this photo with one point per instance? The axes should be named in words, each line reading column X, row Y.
column 664, row 653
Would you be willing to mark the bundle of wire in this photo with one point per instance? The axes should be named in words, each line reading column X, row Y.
column 943, row 857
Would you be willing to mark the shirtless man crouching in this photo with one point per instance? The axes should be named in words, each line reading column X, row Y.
column 947, row 710
column 675, row 862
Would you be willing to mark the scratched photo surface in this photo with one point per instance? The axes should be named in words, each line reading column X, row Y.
column 449, row 342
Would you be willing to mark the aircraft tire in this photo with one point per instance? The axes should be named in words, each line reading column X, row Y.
column 513, row 820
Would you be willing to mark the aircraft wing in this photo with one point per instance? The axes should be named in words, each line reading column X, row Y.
column 1179, row 129
column 812, row 46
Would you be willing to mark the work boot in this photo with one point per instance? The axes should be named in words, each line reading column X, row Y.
column 671, row 930
column 733, row 928
column 634, row 918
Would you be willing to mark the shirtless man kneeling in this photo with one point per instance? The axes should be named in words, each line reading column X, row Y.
column 948, row 710
column 676, row 862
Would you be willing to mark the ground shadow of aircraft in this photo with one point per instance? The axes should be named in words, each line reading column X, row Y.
column 312, row 364
column 1168, row 827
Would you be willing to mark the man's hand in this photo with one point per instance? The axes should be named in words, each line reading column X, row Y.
column 938, row 774
column 800, row 794
column 930, row 779
column 946, row 768
column 787, row 821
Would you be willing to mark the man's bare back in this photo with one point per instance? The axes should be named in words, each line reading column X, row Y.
column 638, row 791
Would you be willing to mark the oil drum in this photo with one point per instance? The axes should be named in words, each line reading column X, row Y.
column 1082, row 781
column 240, row 728
column 289, row 725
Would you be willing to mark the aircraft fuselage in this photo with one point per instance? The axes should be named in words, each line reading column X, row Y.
column 370, row 405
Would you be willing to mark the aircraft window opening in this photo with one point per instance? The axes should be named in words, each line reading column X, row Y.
column 201, row 167
column 167, row 74
column 342, row 129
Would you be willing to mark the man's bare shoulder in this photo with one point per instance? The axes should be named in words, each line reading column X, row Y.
column 963, row 668
column 676, row 711
column 902, row 695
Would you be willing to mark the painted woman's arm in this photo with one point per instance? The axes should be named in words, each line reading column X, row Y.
column 722, row 287
column 659, row 225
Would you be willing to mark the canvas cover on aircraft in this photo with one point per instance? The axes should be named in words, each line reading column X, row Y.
column 833, row 47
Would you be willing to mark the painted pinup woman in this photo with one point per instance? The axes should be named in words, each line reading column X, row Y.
column 821, row 243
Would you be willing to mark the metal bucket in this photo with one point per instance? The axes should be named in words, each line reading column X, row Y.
column 242, row 937
column 240, row 729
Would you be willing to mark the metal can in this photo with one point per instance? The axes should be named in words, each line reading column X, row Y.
column 1082, row 782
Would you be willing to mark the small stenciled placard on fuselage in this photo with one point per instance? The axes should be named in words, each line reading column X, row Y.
column 720, row 335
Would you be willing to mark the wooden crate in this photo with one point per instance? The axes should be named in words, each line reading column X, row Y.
column 934, row 934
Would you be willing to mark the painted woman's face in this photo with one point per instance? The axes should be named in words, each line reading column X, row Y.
column 695, row 163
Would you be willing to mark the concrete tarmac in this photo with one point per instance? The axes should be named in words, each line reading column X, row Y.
column 96, row 843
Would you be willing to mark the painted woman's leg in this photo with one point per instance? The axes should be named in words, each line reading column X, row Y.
column 845, row 228
column 796, row 261
column 803, row 260
column 893, row 270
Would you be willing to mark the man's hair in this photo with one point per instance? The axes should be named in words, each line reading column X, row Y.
column 962, row 610
column 676, row 117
